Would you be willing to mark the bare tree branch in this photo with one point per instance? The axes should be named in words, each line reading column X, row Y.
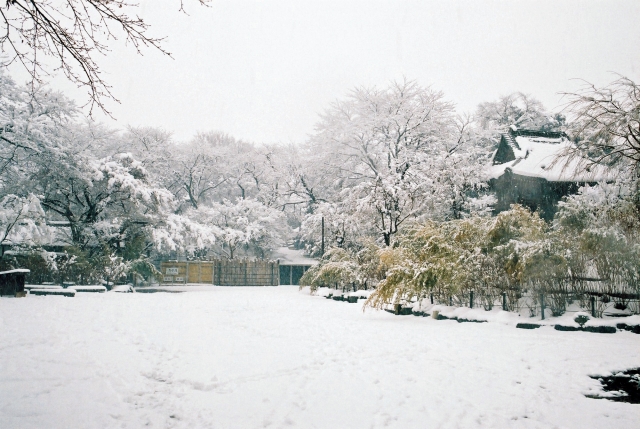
column 606, row 128
column 72, row 32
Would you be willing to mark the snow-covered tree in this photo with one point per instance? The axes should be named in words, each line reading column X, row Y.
column 599, row 226
column 340, row 229
column 396, row 154
column 214, row 166
column 103, row 200
column 33, row 125
column 245, row 224
column 22, row 222
column 71, row 33
column 519, row 109
column 607, row 124
column 153, row 147
column 179, row 233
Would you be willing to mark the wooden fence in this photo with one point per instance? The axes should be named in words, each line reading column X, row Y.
column 223, row 272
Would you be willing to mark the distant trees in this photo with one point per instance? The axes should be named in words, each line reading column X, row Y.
column 519, row 109
column 393, row 174
column 113, row 199
column 244, row 223
column 214, row 165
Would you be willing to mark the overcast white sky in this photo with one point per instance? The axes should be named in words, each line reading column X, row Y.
column 263, row 70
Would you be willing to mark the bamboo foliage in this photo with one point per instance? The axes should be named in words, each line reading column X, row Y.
column 346, row 268
column 515, row 253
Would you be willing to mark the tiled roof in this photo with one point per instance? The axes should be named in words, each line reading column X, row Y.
column 545, row 155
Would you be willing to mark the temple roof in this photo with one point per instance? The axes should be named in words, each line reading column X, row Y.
column 547, row 155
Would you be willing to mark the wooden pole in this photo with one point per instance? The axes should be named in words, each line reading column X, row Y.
column 322, row 251
column 504, row 301
column 593, row 306
column 542, row 305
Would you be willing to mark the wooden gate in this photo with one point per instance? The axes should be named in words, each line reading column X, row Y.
column 222, row 272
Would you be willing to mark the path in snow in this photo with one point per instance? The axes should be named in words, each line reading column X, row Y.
column 276, row 358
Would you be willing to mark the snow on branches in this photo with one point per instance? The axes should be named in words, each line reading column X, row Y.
column 396, row 154
column 607, row 123
column 22, row 221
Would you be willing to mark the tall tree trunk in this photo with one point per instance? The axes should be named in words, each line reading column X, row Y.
column 387, row 238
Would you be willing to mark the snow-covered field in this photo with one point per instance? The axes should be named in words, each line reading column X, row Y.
column 278, row 358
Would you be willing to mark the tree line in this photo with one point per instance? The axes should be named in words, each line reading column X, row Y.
column 452, row 247
column 380, row 163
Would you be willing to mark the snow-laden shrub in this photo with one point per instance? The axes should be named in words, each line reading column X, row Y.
column 517, row 254
column 581, row 318
column 440, row 258
column 340, row 268
column 600, row 231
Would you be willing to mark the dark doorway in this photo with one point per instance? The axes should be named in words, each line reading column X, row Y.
column 291, row 274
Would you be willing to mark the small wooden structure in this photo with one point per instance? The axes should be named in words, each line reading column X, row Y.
column 12, row 282
column 221, row 272
column 291, row 274
column 293, row 265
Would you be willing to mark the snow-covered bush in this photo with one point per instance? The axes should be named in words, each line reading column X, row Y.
column 438, row 257
column 600, row 231
column 337, row 269
column 346, row 268
column 515, row 253
column 581, row 318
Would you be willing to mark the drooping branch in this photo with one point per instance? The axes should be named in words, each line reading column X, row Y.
column 607, row 122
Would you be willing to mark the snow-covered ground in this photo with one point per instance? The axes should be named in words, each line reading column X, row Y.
column 277, row 358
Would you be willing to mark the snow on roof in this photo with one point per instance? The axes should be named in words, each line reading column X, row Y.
column 288, row 256
column 546, row 157
column 18, row 270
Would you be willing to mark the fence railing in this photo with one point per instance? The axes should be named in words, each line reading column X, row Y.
column 557, row 302
column 221, row 272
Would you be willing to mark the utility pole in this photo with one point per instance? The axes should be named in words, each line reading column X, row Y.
column 322, row 236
